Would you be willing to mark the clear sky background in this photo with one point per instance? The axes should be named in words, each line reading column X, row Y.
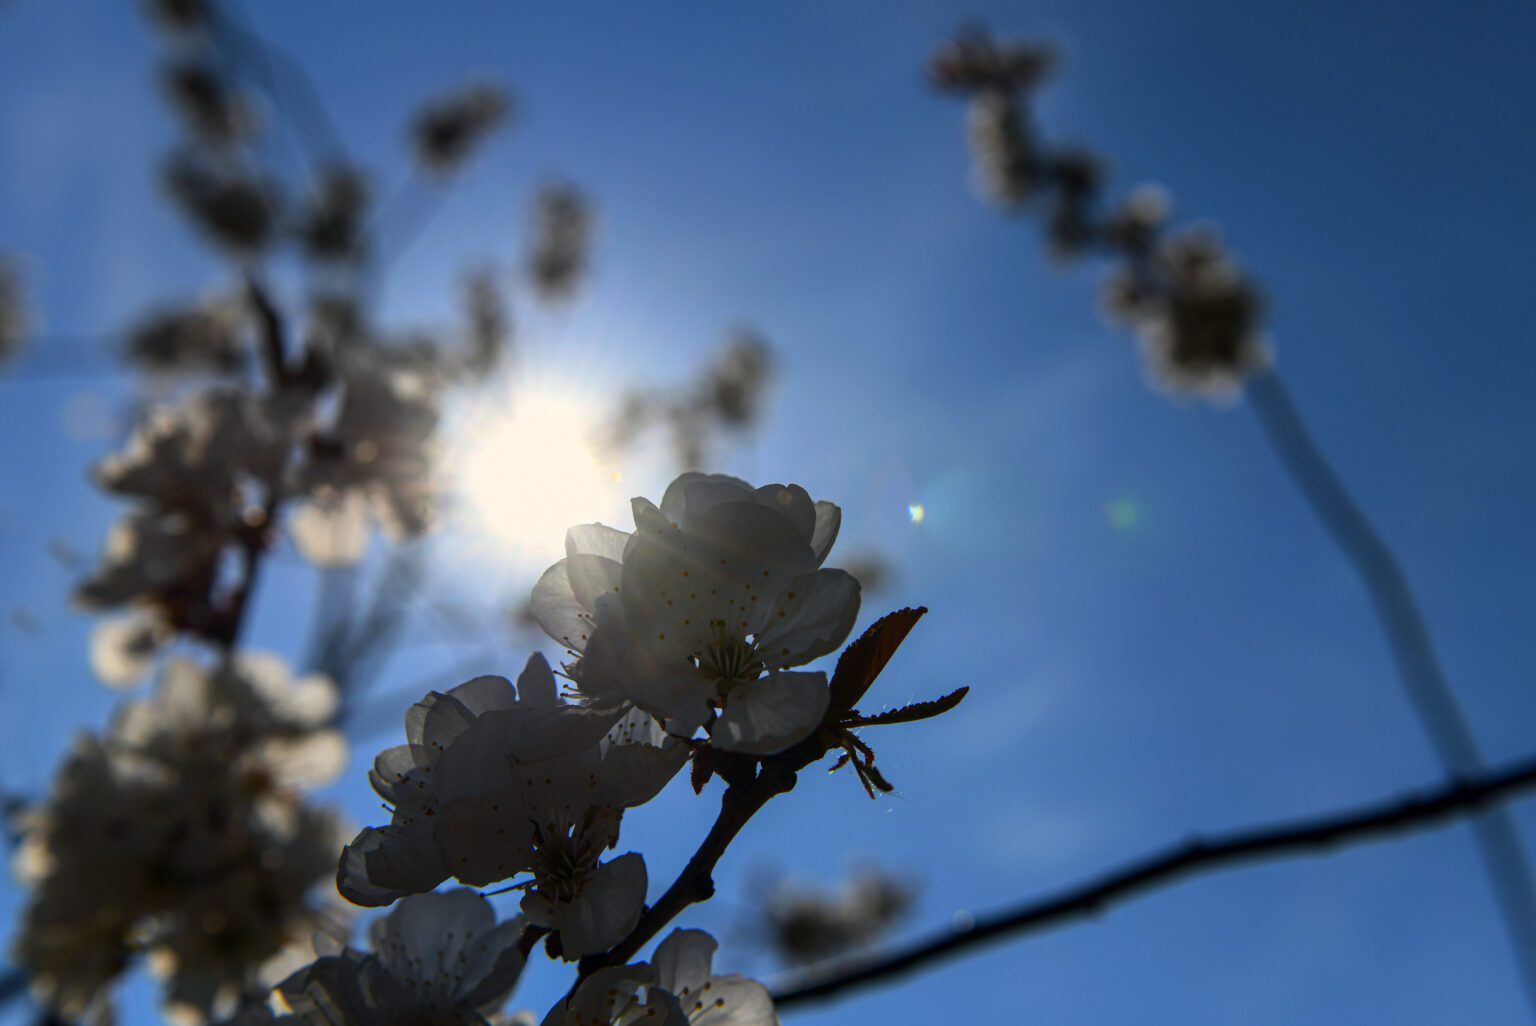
column 1209, row 665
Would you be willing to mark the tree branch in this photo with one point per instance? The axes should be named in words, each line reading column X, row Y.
column 1315, row 835
column 1429, row 693
column 744, row 796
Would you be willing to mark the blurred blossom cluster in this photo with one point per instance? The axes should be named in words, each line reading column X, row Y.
column 562, row 233
column 447, row 130
column 800, row 924
column 727, row 397
column 1197, row 317
column 182, row 836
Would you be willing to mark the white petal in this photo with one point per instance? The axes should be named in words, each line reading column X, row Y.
column 682, row 961
column 829, row 519
column 811, row 618
column 555, row 607
column 381, row 865
column 536, row 684
column 426, row 931
column 482, row 694
column 605, row 910
column 792, row 502
column 767, row 716
column 732, row 1001
column 592, row 577
column 596, row 540
column 634, row 774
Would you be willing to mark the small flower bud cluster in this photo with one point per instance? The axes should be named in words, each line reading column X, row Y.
column 182, row 836
column 1197, row 318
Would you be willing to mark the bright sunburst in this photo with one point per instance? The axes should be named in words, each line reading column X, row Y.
column 525, row 472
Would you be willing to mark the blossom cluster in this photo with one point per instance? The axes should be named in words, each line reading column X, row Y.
column 685, row 639
column 182, row 836
column 1197, row 317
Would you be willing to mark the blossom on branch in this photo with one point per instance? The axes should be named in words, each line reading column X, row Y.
column 437, row 959
column 714, row 598
column 497, row 781
column 676, row 988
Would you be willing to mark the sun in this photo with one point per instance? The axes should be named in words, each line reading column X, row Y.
column 525, row 471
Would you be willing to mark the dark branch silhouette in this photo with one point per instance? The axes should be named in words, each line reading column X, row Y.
column 1311, row 836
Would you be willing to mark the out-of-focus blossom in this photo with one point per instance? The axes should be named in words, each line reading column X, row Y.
column 489, row 323
column 206, row 338
column 437, row 959
column 736, row 382
column 231, row 208
column 1197, row 317
column 333, row 225
column 801, row 925
column 729, row 394
column 718, row 593
column 495, row 781
column 205, row 103
column 974, row 62
column 182, row 834
column 676, row 988
column 446, row 131
column 1005, row 166
column 178, row 15
column 376, row 459
column 562, row 233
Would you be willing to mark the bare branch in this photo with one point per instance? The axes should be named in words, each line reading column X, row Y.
column 1312, row 836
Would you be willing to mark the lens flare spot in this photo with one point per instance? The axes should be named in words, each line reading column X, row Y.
column 1122, row 514
column 916, row 513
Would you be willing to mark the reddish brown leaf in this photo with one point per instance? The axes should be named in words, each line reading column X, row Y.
column 862, row 661
column 703, row 768
column 911, row 713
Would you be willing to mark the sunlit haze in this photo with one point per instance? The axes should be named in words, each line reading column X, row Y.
column 525, row 467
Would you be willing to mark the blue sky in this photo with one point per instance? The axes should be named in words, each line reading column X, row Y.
column 783, row 165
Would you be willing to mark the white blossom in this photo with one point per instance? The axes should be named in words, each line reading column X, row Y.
column 716, row 595
column 375, row 462
column 497, row 781
column 677, row 988
column 438, row 959
column 182, row 833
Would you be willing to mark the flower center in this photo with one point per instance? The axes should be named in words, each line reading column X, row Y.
column 729, row 658
column 564, row 855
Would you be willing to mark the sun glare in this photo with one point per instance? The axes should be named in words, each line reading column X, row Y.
column 525, row 476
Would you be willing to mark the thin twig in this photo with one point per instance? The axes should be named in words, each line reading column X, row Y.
column 1418, row 666
column 743, row 798
column 1314, row 835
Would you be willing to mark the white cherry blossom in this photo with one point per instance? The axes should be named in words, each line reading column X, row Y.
column 438, row 959
column 718, row 593
column 497, row 781
column 677, row 988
